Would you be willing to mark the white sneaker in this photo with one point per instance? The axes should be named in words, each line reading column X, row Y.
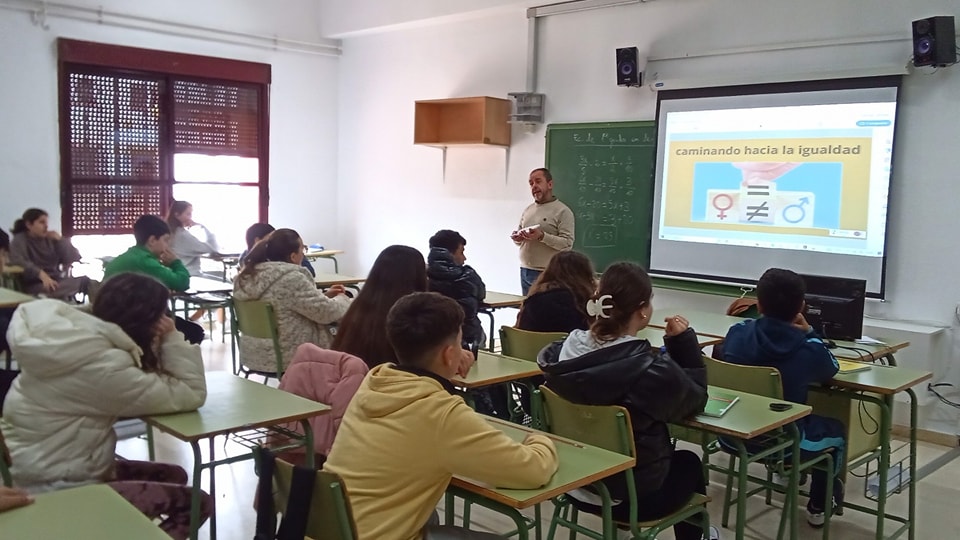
column 816, row 519
column 714, row 533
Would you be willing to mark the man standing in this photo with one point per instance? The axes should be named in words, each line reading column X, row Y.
column 546, row 227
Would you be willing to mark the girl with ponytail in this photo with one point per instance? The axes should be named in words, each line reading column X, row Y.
column 46, row 257
column 272, row 273
column 609, row 365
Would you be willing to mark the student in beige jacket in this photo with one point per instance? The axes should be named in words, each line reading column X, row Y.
column 405, row 433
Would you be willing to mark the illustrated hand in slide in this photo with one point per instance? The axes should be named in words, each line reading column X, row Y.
column 763, row 172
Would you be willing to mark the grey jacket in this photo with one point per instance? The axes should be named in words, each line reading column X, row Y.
column 303, row 312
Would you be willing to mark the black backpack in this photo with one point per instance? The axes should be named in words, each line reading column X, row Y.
column 293, row 526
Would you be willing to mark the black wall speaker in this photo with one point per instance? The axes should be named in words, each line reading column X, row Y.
column 628, row 68
column 934, row 41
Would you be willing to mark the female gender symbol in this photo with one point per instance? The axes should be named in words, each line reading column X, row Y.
column 722, row 214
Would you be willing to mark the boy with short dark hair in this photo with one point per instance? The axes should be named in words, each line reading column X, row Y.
column 406, row 433
column 152, row 255
column 452, row 278
column 781, row 338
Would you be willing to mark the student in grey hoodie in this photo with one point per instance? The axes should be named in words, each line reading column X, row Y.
column 609, row 365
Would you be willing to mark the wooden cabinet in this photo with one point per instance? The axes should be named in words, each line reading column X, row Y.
column 461, row 121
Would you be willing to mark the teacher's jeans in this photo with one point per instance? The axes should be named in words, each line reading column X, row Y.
column 527, row 277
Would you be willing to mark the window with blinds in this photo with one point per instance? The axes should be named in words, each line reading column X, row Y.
column 141, row 128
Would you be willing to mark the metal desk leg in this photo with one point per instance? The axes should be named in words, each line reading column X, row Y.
column 912, row 510
column 489, row 313
column 886, row 419
column 151, row 453
column 213, row 490
column 195, row 498
column 308, row 443
column 792, row 498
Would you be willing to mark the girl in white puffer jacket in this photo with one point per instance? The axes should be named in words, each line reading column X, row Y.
column 82, row 371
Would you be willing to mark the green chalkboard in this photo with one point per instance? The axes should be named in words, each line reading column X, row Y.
column 604, row 173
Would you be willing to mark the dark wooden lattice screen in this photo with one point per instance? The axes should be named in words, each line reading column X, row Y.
column 114, row 151
column 125, row 112
column 215, row 119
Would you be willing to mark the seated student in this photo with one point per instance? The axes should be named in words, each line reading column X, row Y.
column 397, row 272
column 405, row 433
column 258, row 231
column 448, row 276
column 82, row 371
column 152, row 256
column 609, row 365
column 5, row 313
column 188, row 247
column 45, row 257
column 273, row 274
column 557, row 299
column 781, row 338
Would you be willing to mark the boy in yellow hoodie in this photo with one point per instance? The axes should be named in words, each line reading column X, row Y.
column 405, row 433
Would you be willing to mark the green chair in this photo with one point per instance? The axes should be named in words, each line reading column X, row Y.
column 774, row 450
column 256, row 319
column 524, row 345
column 330, row 515
column 606, row 427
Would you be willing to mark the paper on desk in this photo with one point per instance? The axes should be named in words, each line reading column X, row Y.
column 867, row 340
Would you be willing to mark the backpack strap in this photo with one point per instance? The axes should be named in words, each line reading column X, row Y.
column 266, row 512
column 294, row 524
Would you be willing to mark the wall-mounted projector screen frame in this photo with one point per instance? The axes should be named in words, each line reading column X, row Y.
column 792, row 175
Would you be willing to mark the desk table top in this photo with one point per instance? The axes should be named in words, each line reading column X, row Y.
column 881, row 379
column 705, row 323
column 749, row 417
column 655, row 335
column 324, row 281
column 94, row 512
column 236, row 404
column 500, row 300
column 490, row 369
column 10, row 298
column 580, row 465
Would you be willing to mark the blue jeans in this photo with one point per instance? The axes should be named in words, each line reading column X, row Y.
column 527, row 277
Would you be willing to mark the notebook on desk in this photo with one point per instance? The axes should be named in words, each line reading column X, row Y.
column 848, row 366
column 719, row 403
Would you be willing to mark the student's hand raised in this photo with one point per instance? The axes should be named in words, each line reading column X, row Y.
column 335, row 290
column 11, row 498
column 675, row 325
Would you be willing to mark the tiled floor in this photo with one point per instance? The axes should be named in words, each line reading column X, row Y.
column 937, row 494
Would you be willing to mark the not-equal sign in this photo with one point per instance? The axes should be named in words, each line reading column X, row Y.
column 761, row 210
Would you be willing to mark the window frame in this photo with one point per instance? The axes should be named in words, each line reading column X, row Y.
column 114, row 60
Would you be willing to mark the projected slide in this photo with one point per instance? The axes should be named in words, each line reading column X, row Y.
column 766, row 186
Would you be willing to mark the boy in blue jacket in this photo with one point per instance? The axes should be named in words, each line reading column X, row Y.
column 781, row 338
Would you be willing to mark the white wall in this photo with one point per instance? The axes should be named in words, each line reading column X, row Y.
column 394, row 192
column 303, row 127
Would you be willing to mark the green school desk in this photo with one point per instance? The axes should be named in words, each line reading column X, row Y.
column 654, row 335
column 875, row 388
column 490, row 369
column 748, row 418
column 11, row 299
column 325, row 281
column 580, row 465
column 326, row 254
column 706, row 323
column 94, row 512
column 234, row 405
column 494, row 301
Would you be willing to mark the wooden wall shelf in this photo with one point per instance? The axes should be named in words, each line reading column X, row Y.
column 462, row 121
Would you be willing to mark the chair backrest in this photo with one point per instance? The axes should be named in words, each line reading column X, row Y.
column 524, row 344
column 606, row 426
column 760, row 380
column 330, row 515
column 256, row 319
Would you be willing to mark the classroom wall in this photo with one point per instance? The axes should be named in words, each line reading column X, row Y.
column 303, row 127
column 395, row 192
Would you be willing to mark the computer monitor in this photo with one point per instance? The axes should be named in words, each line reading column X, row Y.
column 835, row 306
